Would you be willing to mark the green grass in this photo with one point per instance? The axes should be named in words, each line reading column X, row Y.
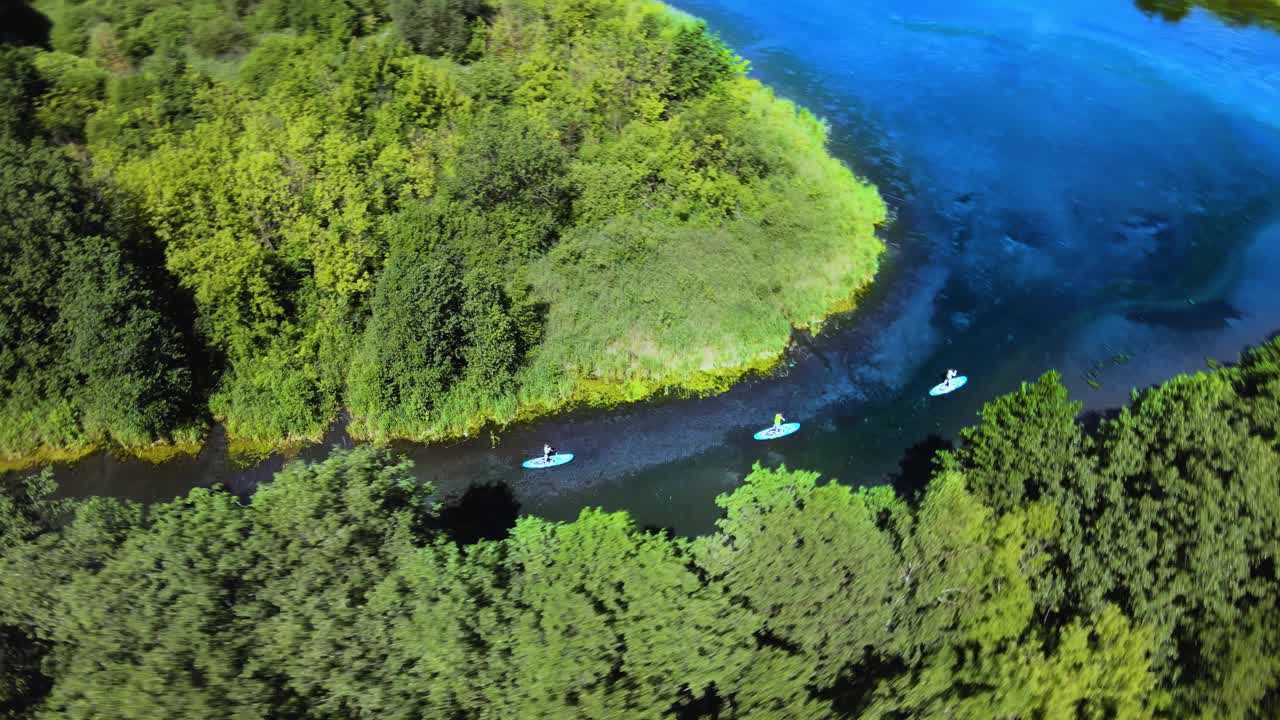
column 186, row 442
column 640, row 305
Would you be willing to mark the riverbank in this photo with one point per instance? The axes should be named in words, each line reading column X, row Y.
column 586, row 395
column 155, row 453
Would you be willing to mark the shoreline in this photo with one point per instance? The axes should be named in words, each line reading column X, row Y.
column 590, row 394
column 157, row 453
column 587, row 394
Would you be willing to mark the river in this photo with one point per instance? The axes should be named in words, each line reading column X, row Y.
column 1074, row 181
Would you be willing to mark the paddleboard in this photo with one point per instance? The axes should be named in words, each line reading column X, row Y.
column 772, row 432
column 554, row 460
column 957, row 382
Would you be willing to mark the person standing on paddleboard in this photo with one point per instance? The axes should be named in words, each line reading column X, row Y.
column 946, row 380
column 778, row 420
column 547, row 452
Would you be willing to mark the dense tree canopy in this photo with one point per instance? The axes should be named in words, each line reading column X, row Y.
column 340, row 591
column 86, row 349
column 436, row 213
column 444, row 212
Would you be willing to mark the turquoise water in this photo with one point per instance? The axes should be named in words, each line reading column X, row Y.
column 1074, row 181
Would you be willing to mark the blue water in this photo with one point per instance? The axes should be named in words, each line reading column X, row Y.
column 1073, row 181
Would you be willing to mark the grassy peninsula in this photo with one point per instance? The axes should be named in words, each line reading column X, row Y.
column 435, row 214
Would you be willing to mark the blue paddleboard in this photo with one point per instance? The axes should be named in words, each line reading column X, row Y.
column 772, row 432
column 957, row 382
column 554, row 460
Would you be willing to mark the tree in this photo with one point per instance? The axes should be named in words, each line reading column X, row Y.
column 437, row 622
column 86, row 352
column 606, row 620
column 136, row 385
column 29, row 517
column 84, row 349
column 38, row 217
column 1260, row 389
column 342, row 19
column 1031, row 448
column 1028, row 447
column 1097, row 669
column 1190, row 516
column 1235, row 673
column 154, row 633
column 413, row 346
column 494, row 342
column 234, row 611
column 699, row 61
column 76, row 90
column 970, row 646
column 797, row 552
column 962, row 578
column 511, row 157
column 323, row 536
column 1234, row 12
column 435, row 27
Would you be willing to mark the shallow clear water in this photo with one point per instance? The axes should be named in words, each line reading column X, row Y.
column 1074, row 180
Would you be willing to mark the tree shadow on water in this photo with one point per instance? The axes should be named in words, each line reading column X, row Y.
column 1239, row 13
column 483, row 512
column 917, row 465
column 665, row 531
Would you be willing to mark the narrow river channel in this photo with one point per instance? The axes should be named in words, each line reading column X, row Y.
column 1077, row 185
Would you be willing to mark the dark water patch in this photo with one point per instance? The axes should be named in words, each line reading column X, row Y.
column 804, row 340
column 483, row 512
column 961, row 295
column 1212, row 315
column 918, row 464
column 1022, row 228
column 1147, row 234
column 665, row 531
column 960, row 236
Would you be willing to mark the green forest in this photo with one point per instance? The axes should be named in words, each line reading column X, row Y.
column 1047, row 570
column 435, row 214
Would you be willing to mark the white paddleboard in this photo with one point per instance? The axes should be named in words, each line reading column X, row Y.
column 943, row 388
column 776, row 431
column 554, row 460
